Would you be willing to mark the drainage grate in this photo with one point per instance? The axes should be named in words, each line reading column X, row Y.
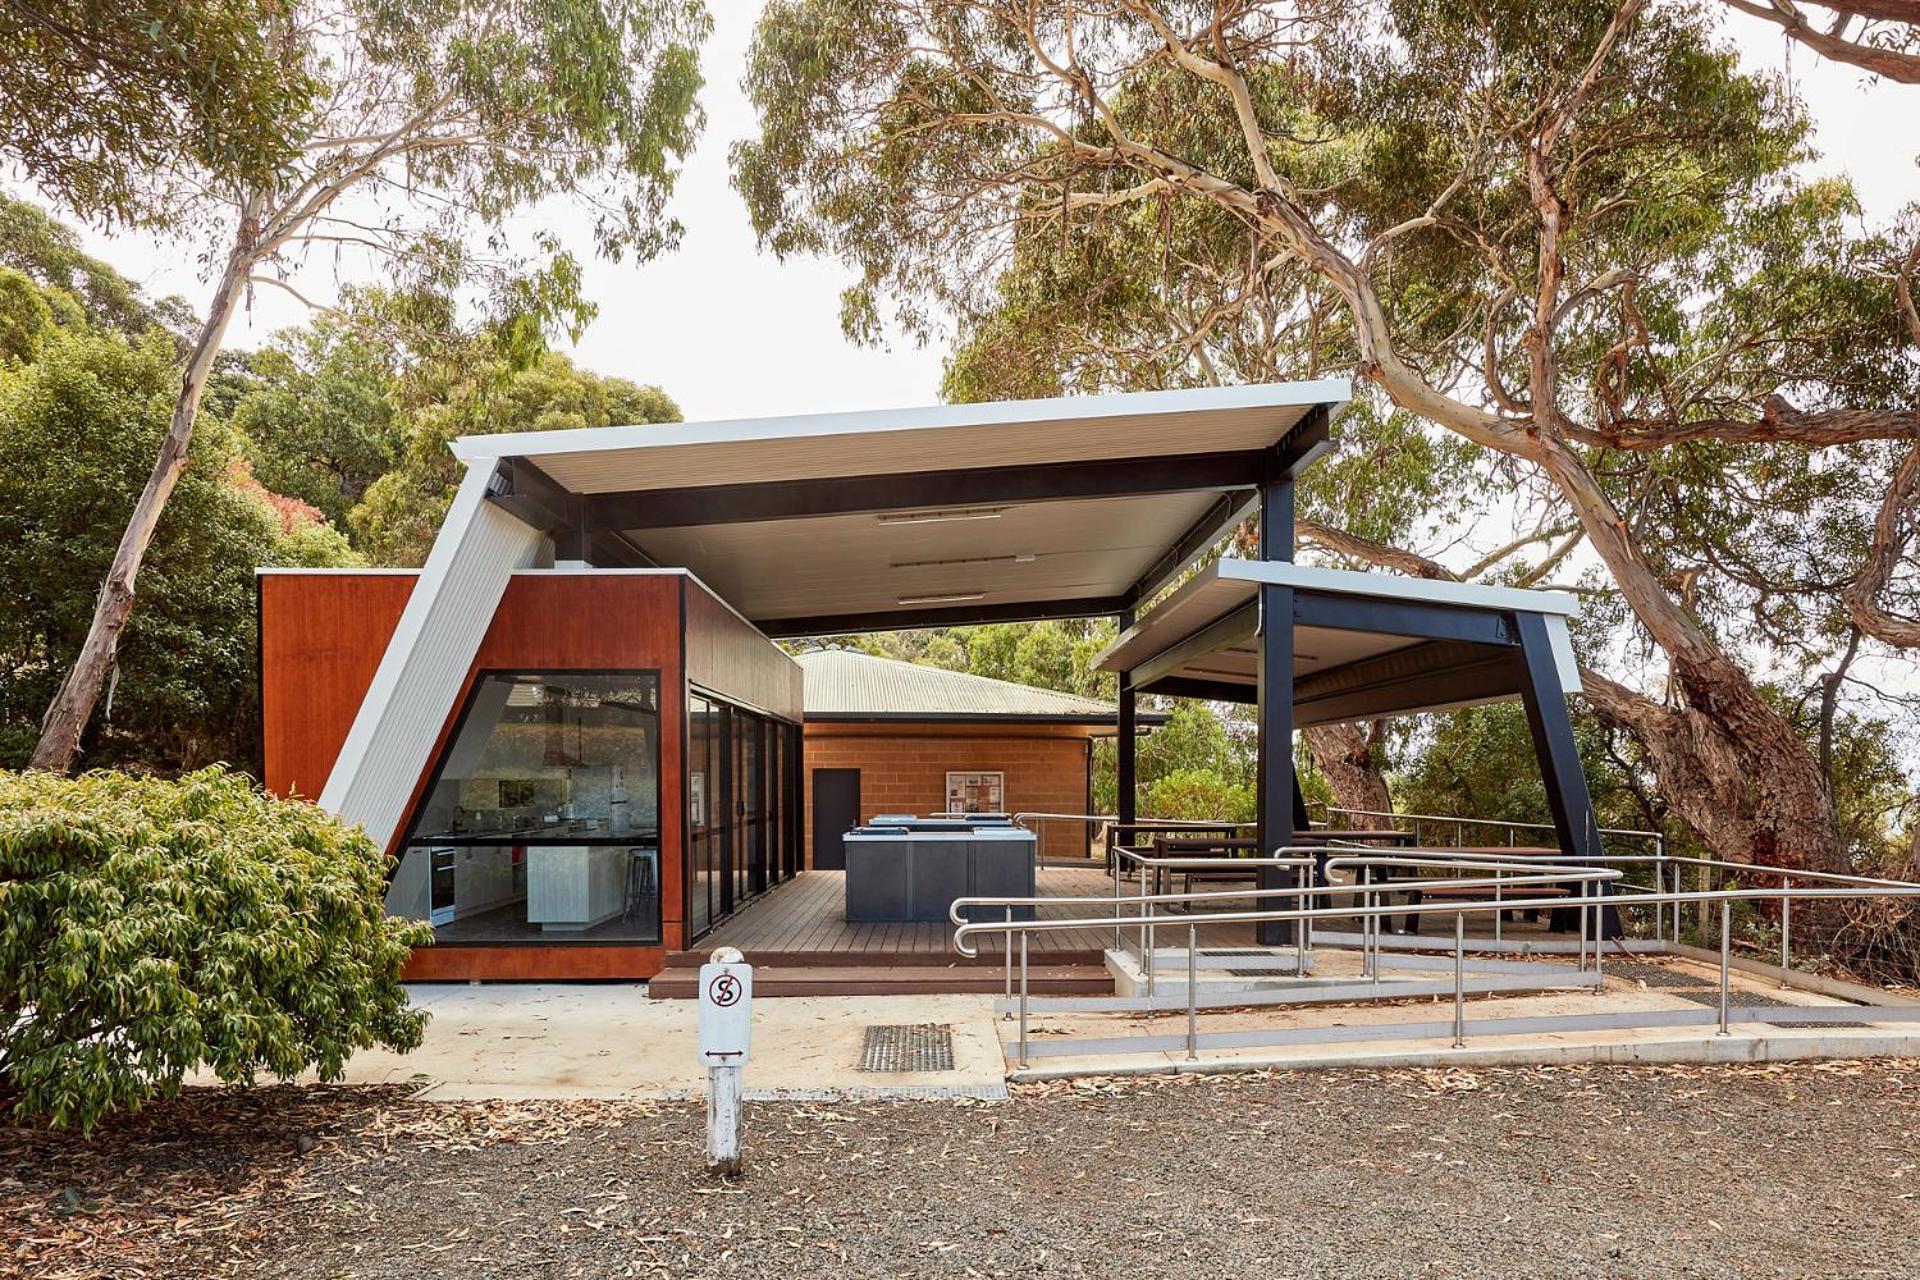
column 1700, row 990
column 927, row 1046
column 1654, row 975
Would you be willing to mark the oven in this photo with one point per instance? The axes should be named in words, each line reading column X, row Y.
column 441, row 879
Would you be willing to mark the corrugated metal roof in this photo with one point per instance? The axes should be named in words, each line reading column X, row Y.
column 844, row 682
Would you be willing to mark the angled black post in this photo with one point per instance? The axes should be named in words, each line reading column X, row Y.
column 1566, row 783
column 1126, row 742
column 1277, row 802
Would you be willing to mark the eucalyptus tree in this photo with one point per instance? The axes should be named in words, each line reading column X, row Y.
column 431, row 126
column 103, row 101
column 1568, row 233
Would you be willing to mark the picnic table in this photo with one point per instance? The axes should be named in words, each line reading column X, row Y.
column 1186, row 844
column 1562, row 920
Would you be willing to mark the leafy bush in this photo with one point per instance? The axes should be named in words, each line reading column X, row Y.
column 151, row 927
column 1198, row 794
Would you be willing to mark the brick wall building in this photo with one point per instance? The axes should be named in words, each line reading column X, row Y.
column 893, row 737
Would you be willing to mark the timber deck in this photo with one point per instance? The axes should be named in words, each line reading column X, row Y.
column 799, row 942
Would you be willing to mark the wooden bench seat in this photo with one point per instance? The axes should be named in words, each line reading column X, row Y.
column 1478, row 892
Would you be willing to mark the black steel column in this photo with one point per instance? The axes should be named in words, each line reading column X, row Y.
column 1126, row 752
column 1276, row 798
column 1566, row 783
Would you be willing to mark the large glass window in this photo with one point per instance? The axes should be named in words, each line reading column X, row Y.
column 542, row 820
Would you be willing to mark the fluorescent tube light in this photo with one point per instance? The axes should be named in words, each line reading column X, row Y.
column 945, row 597
column 940, row 516
column 1021, row 557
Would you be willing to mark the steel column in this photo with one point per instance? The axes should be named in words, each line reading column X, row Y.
column 1126, row 746
column 1566, row 783
column 1277, row 803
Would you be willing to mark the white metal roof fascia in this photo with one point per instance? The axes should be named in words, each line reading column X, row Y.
column 1333, row 392
column 419, row 677
column 1469, row 595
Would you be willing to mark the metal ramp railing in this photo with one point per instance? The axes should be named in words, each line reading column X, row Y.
column 1145, row 914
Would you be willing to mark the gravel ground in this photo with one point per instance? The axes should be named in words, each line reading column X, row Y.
column 1603, row 1171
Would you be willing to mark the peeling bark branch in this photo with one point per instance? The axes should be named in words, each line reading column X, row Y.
column 1893, row 530
column 1891, row 63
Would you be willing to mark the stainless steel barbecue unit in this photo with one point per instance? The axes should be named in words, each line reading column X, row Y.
column 898, row 876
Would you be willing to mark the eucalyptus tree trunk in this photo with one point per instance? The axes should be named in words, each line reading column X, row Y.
column 1760, row 777
column 1346, row 754
column 73, row 704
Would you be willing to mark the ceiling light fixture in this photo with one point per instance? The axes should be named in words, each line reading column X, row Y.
column 940, row 516
column 1023, row 557
column 945, row 597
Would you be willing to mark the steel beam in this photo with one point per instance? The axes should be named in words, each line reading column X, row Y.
column 641, row 509
column 955, row 615
column 1402, row 618
column 1210, row 690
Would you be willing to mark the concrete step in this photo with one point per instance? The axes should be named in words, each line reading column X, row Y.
column 890, row 979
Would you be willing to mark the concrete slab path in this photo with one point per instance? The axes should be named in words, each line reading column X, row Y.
column 611, row 1041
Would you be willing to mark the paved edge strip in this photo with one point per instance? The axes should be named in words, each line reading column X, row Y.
column 1691, row 1049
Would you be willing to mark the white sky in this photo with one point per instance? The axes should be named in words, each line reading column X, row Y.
column 729, row 332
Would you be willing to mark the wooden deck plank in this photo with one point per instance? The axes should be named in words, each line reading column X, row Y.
column 806, row 914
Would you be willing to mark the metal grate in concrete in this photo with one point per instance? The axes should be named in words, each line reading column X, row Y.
column 926, row 1046
column 1701, row 990
column 1654, row 975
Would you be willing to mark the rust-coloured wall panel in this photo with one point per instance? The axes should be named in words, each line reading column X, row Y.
column 321, row 639
column 730, row 657
column 903, row 769
column 577, row 962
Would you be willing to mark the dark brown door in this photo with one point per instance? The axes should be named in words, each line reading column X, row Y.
column 836, row 807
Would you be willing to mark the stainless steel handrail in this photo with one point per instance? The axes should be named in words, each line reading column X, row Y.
column 1527, row 871
column 1447, row 819
column 1196, row 862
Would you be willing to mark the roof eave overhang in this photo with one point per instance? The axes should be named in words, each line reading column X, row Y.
column 1137, row 450
column 1454, row 643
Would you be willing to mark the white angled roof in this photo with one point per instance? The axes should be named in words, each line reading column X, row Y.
column 1032, row 533
column 930, row 438
column 845, row 683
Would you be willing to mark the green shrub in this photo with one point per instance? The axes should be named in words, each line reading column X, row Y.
column 1198, row 794
column 151, row 927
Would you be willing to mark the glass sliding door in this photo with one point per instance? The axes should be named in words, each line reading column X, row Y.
column 741, row 827
column 727, row 749
column 755, row 774
column 702, row 831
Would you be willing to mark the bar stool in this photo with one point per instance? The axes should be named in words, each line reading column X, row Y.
column 641, row 878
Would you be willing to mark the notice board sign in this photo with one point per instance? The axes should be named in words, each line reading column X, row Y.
column 726, row 1013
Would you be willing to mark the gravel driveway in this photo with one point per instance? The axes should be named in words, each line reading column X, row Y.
column 1600, row 1171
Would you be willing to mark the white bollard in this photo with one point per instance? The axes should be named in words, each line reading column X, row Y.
column 726, row 1026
